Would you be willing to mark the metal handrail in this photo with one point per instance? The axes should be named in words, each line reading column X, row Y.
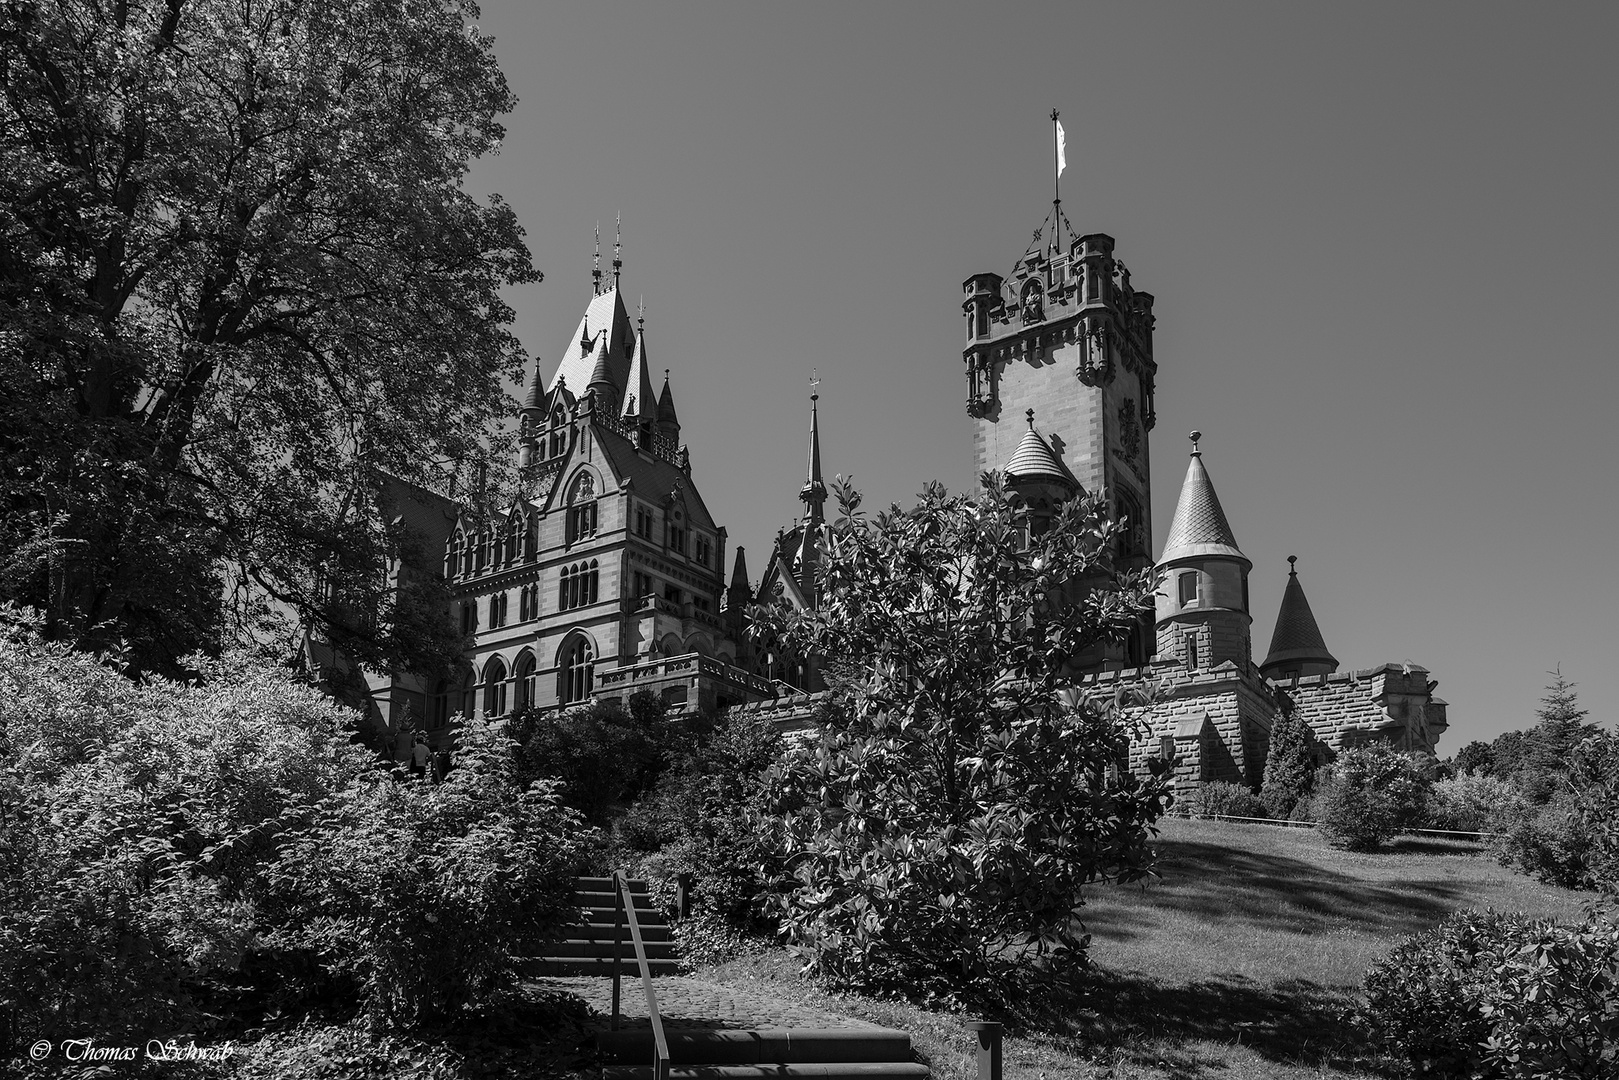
column 1476, row 834
column 625, row 905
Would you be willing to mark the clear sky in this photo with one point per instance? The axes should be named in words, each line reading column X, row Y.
column 1383, row 240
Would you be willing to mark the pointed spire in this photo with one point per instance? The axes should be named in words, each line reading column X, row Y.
column 1297, row 645
column 813, row 493
column 596, row 264
column 666, row 403
column 739, row 573
column 601, row 380
column 639, row 402
column 534, row 401
column 1035, row 461
column 618, row 248
column 1199, row 526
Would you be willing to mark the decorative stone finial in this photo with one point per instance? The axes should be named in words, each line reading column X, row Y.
column 815, row 385
column 1030, row 414
column 1292, row 570
column 1194, row 436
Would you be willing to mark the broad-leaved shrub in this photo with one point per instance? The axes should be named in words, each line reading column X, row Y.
column 1503, row 997
column 1372, row 792
column 1219, row 798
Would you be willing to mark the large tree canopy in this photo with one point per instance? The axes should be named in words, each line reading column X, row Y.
column 241, row 285
column 944, row 824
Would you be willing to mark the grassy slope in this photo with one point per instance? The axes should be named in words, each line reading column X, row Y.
column 1239, row 961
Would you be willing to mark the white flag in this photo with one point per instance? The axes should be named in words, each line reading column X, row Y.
column 1062, row 147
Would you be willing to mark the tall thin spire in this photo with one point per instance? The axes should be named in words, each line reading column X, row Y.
column 814, row 491
column 618, row 248
column 596, row 264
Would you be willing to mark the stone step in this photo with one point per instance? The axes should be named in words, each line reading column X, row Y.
column 845, row 1070
column 655, row 950
column 757, row 1046
column 607, row 913
column 603, row 931
column 605, row 885
column 594, row 965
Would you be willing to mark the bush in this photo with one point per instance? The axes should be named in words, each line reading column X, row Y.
column 134, row 820
column 603, row 756
column 1289, row 765
column 709, row 818
column 427, row 895
column 1503, row 996
column 1473, row 802
column 1222, row 799
column 1372, row 792
column 1550, row 843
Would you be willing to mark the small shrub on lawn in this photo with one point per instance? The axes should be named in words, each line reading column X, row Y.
column 1473, row 802
column 1222, row 799
column 1503, row 997
column 1371, row 794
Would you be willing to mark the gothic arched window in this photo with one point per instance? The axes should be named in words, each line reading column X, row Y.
column 581, row 522
column 576, row 672
column 494, row 688
column 523, row 680
column 579, row 585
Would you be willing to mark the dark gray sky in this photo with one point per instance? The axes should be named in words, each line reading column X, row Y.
column 1382, row 238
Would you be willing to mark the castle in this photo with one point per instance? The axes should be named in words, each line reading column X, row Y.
column 605, row 576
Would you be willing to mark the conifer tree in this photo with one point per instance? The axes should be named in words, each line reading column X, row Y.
column 1289, row 766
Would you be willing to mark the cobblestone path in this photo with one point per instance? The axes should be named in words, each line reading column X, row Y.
column 687, row 1002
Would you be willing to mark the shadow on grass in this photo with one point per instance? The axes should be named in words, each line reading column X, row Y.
column 1295, row 1022
column 1215, row 883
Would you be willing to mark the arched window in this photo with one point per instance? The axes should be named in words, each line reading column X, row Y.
column 523, row 680
column 469, row 696
column 513, row 539
column 531, row 537
column 464, row 545
column 482, row 545
column 452, row 556
column 576, row 672
column 498, row 608
column 579, row 586
column 494, row 688
column 581, row 521
column 674, row 530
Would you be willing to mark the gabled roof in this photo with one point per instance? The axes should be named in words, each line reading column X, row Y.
column 652, row 476
column 1297, row 638
column 606, row 328
column 1199, row 527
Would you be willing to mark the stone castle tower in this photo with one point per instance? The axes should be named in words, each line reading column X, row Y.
column 1060, row 355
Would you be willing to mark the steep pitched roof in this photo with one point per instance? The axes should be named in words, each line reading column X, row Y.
column 652, row 476
column 1297, row 637
column 639, row 402
column 1199, row 526
column 606, row 328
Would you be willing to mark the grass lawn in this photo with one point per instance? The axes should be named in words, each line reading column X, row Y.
column 1243, row 959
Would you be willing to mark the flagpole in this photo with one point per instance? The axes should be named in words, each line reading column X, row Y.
column 1056, row 187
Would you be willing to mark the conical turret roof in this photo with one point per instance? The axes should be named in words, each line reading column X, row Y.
column 639, row 402
column 1034, row 460
column 534, row 400
column 1297, row 640
column 1199, row 527
column 666, row 403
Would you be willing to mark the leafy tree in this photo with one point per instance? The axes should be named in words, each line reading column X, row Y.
column 603, row 755
column 1289, row 765
column 946, row 825
column 241, row 285
column 1373, row 792
column 1475, row 757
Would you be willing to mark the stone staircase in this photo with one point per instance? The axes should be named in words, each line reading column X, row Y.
column 588, row 946
column 698, row 1049
column 758, row 1054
